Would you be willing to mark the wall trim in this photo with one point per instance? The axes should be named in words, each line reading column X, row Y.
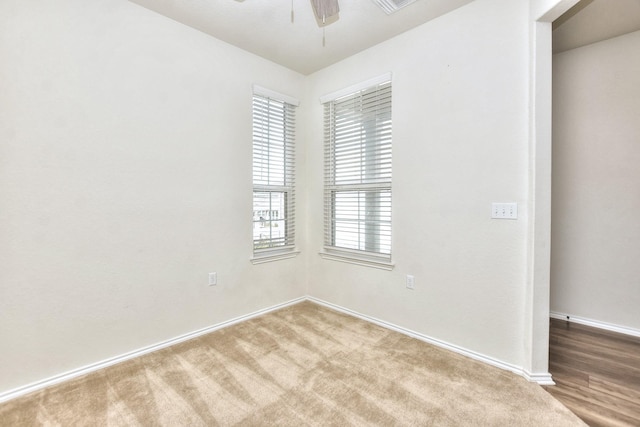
column 595, row 323
column 56, row 379
column 356, row 87
column 540, row 378
column 357, row 260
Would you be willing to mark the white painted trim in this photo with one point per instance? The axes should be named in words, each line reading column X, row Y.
column 56, row 379
column 596, row 324
column 356, row 87
column 357, row 260
column 263, row 91
column 540, row 378
column 263, row 258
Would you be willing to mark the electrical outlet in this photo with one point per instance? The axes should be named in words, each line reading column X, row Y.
column 213, row 279
column 410, row 282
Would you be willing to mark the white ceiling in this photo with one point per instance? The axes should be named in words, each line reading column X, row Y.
column 264, row 27
column 591, row 21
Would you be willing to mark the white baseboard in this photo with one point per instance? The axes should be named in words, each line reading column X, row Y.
column 595, row 323
column 56, row 379
column 540, row 378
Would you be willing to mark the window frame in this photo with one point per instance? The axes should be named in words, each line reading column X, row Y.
column 273, row 159
column 379, row 183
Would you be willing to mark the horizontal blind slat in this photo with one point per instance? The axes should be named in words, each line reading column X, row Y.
column 273, row 174
column 358, row 170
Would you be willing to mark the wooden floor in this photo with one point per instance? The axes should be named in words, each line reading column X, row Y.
column 597, row 373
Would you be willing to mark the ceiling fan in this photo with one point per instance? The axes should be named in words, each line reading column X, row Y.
column 323, row 10
column 328, row 11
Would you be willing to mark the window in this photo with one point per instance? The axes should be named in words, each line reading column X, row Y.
column 357, row 187
column 273, row 175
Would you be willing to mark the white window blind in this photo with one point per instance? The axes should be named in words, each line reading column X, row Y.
column 273, row 174
column 357, row 191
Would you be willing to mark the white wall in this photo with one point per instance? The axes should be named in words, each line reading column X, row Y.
column 125, row 149
column 596, row 182
column 125, row 157
column 460, row 114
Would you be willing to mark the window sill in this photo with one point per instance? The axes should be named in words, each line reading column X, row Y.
column 270, row 257
column 357, row 259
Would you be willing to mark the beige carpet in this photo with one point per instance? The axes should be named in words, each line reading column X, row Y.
column 302, row 365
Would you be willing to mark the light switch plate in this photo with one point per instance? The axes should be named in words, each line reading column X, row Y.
column 504, row 210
